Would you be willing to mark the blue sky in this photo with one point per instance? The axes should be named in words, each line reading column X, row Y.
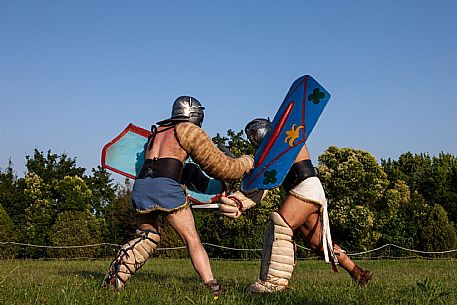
column 73, row 74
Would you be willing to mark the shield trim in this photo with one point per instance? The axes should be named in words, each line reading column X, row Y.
column 133, row 128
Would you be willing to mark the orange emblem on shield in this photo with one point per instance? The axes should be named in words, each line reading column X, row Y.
column 293, row 134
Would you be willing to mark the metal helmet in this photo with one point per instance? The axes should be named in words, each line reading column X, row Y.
column 189, row 108
column 186, row 109
column 256, row 130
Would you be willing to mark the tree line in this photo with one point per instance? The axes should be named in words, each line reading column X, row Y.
column 411, row 202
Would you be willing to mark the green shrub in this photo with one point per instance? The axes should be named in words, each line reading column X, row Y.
column 7, row 233
column 438, row 233
column 75, row 229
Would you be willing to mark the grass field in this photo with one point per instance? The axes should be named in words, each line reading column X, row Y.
column 174, row 282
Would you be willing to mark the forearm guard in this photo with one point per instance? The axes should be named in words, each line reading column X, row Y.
column 196, row 142
column 238, row 202
column 247, row 200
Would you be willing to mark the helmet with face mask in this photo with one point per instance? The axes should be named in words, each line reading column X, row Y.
column 186, row 109
column 256, row 130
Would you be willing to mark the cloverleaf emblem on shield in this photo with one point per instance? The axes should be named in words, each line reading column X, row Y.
column 316, row 96
column 269, row 176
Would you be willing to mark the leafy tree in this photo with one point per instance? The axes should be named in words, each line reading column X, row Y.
column 411, row 202
column 46, row 201
column 52, row 166
column 393, row 216
column 354, row 184
column 395, row 197
column 103, row 190
column 55, row 184
column 414, row 214
column 75, row 228
column 421, row 226
column 39, row 215
column 119, row 220
column 448, row 201
column 444, row 190
column 413, row 169
column 72, row 194
column 235, row 142
column 12, row 195
column 435, row 178
column 353, row 225
column 438, row 233
column 7, row 233
column 351, row 173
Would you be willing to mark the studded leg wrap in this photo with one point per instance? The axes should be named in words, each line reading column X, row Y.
column 278, row 257
column 131, row 257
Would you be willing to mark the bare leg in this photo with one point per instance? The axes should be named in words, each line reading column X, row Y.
column 296, row 212
column 147, row 222
column 306, row 217
column 183, row 222
column 312, row 231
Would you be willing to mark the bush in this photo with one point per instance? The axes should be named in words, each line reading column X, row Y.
column 75, row 229
column 438, row 233
column 422, row 227
column 7, row 233
column 352, row 225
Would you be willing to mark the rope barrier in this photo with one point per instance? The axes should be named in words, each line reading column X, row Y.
column 56, row 247
column 402, row 248
column 227, row 248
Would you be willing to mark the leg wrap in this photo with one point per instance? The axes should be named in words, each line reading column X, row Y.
column 196, row 142
column 278, row 257
column 131, row 257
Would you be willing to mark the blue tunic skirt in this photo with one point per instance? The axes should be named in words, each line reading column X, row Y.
column 157, row 194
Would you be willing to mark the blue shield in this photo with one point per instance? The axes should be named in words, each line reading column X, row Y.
column 291, row 127
column 125, row 155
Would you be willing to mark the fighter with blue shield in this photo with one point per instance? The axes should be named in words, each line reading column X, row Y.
column 125, row 155
column 282, row 159
column 158, row 189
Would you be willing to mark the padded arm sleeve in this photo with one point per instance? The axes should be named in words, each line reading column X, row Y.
column 196, row 142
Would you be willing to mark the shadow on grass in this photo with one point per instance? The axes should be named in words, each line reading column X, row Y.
column 236, row 290
column 143, row 276
column 288, row 297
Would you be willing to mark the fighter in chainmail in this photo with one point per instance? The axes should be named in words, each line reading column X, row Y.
column 304, row 208
column 158, row 189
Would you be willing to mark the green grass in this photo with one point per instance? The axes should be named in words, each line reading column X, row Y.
column 174, row 282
